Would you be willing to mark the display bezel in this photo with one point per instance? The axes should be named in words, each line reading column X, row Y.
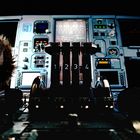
column 71, row 20
column 27, row 79
column 111, row 76
column 41, row 27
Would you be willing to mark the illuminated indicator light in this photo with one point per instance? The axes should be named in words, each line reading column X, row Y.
column 86, row 107
column 61, row 106
column 78, row 123
column 7, row 114
column 111, row 130
column 103, row 62
column 100, row 26
column 111, row 106
column 47, row 30
column 37, row 106
column 106, row 106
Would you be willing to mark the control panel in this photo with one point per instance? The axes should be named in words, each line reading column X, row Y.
column 109, row 61
column 33, row 36
column 70, row 73
column 70, row 48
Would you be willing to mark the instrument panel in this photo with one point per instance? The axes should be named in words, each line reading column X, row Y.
column 56, row 55
column 106, row 34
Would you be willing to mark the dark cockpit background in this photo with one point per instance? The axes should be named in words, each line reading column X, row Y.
column 102, row 7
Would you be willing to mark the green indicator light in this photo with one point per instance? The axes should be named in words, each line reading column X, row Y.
column 100, row 26
column 95, row 26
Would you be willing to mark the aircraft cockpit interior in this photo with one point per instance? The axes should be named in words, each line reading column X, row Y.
column 74, row 75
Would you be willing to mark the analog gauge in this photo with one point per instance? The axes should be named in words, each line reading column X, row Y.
column 113, row 51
